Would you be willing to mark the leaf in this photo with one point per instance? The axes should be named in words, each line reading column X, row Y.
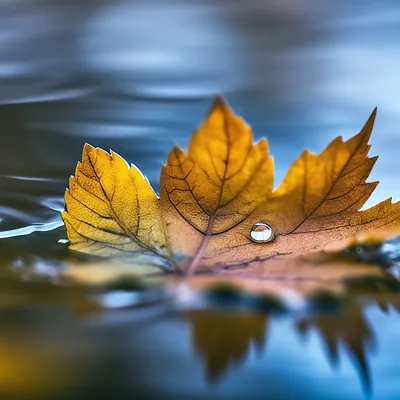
column 317, row 204
column 217, row 186
column 211, row 197
column 111, row 208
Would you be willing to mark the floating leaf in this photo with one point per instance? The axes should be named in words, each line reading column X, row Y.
column 217, row 208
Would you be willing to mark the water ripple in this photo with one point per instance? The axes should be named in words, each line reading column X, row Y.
column 37, row 227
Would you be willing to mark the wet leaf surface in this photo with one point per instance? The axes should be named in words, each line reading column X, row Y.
column 216, row 205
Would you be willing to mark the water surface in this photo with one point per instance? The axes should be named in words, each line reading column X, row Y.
column 138, row 77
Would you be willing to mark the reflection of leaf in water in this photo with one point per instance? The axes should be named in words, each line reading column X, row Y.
column 348, row 328
column 384, row 303
column 223, row 338
column 384, row 291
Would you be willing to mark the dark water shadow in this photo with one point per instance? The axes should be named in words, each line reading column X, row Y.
column 223, row 339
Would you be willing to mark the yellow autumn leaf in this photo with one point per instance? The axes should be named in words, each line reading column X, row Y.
column 217, row 186
column 317, row 205
column 111, row 208
column 217, row 208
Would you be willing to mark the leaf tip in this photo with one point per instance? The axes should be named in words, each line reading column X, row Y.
column 367, row 128
column 87, row 148
column 219, row 103
column 373, row 159
column 175, row 155
column 219, row 99
column 307, row 153
column 88, row 152
column 372, row 117
column 177, row 151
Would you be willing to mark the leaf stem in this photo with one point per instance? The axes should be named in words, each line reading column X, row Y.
column 199, row 254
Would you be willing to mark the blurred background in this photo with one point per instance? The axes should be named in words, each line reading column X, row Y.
column 139, row 76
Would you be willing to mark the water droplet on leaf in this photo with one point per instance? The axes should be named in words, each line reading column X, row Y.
column 261, row 232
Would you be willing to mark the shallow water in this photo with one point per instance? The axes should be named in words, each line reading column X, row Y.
column 138, row 77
